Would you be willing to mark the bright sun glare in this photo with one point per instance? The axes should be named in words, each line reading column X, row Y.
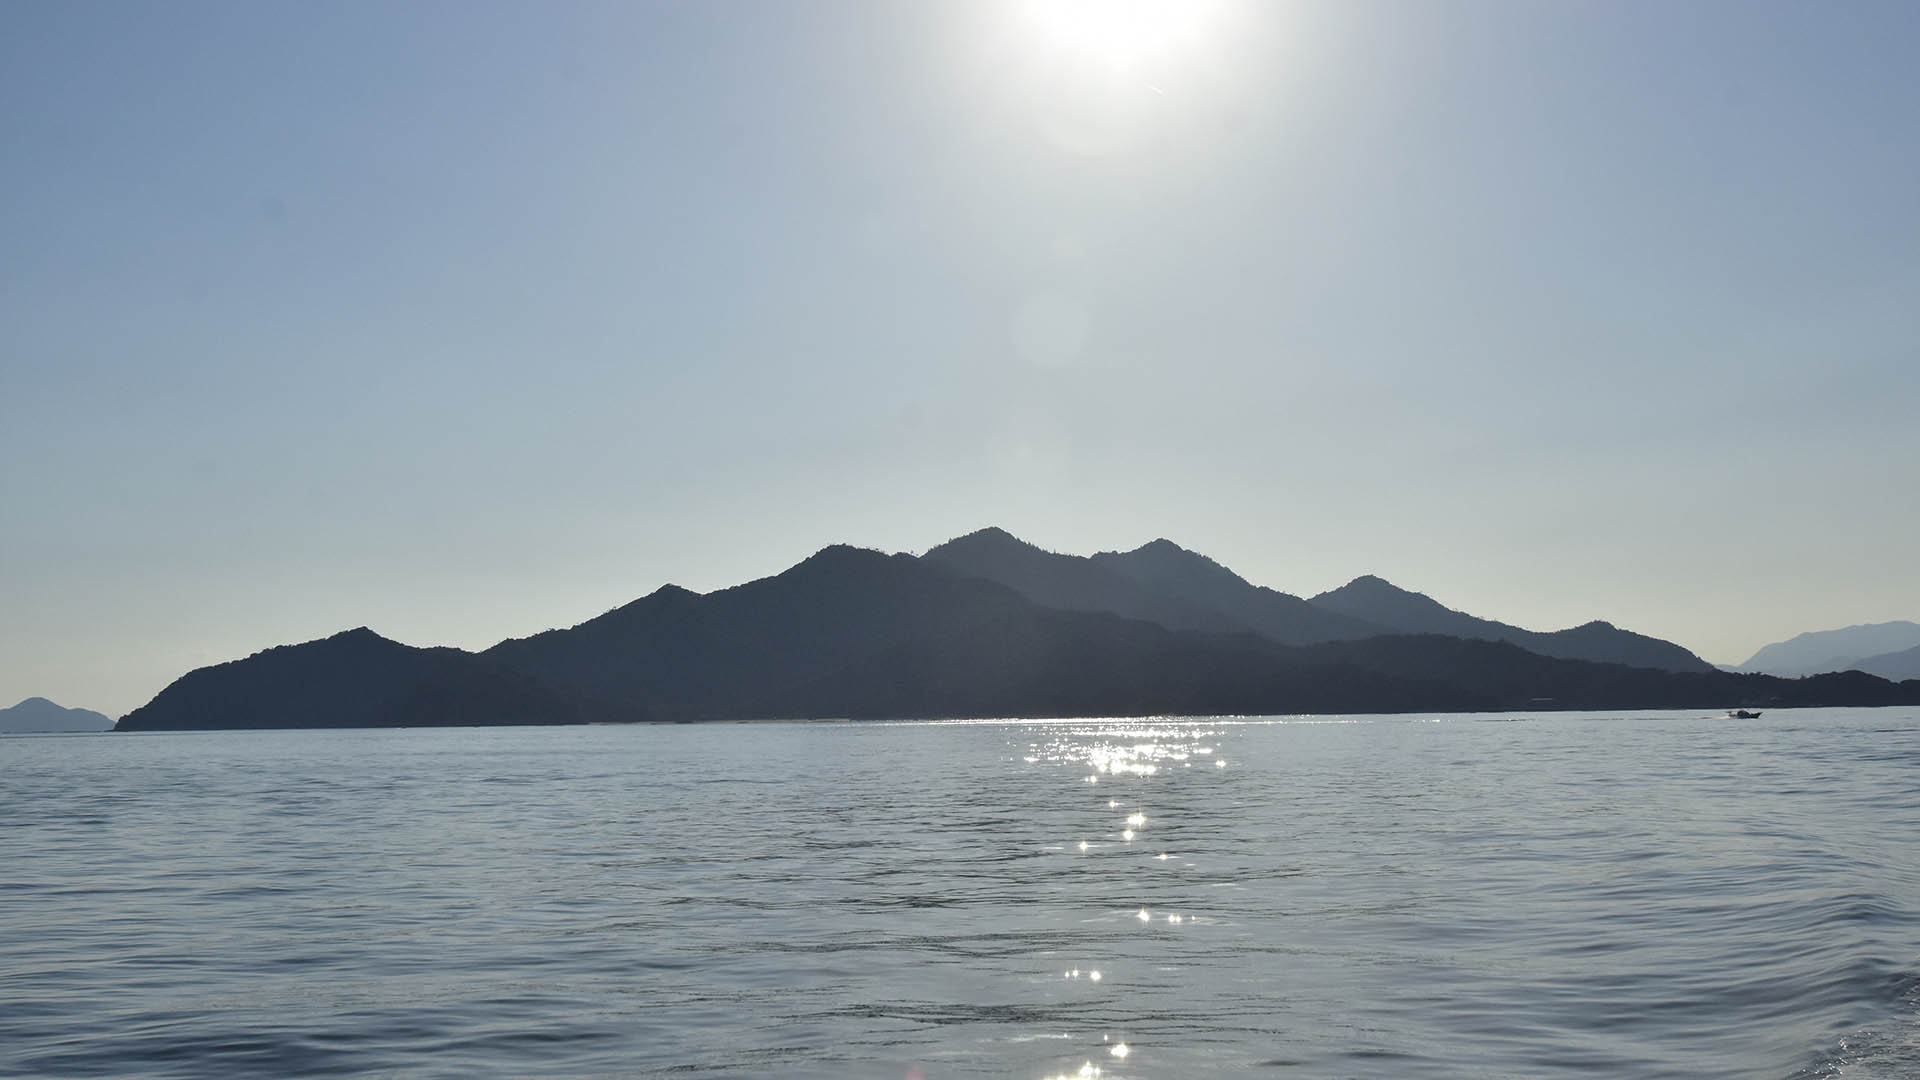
column 1119, row 33
column 1102, row 75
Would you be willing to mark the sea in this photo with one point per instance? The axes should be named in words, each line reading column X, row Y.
column 1647, row 894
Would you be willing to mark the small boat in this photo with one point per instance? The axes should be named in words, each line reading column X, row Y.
column 1742, row 714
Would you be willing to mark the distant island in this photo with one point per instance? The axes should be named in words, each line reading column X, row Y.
column 985, row 625
column 1890, row 650
column 38, row 715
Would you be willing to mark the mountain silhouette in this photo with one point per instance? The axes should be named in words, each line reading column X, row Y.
column 850, row 632
column 37, row 714
column 1834, row 650
column 732, row 653
column 1173, row 570
column 1383, row 603
column 1164, row 583
column 357, row 678
column 1073, row 583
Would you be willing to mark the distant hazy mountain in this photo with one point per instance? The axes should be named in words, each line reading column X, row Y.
column 1833, row 650
column 358, row 679
column 39, row 714
column 1893, row 666
column 1381, row 602
column 1173, row 570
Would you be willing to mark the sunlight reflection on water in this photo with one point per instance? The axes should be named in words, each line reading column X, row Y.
column 1417, row 897
column 1131, row 752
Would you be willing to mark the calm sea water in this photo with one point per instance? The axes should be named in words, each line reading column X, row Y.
column 1640, row 895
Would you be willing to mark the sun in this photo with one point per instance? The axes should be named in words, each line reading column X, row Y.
column 1121, row 34
column 1102, row 76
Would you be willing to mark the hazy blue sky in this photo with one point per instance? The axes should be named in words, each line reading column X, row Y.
column 466, row 320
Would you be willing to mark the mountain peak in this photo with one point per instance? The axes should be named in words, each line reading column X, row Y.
column 839, row 555
column 1166, row 551
column 991, row 542
column 993, row 537
column 835, row 562
column 1377, row 600
column 1169, row 565
column 1370, row 589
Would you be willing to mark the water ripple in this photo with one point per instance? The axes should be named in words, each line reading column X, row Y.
column 1652, row 895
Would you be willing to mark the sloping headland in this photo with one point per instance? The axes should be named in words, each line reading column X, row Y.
column 357, row 678
column 982, row 626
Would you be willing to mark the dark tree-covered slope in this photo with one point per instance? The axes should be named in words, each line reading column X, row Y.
column 359, row 679
column 728, row 652
column 1516, row 678
column 1039, row 662
column 850, row 632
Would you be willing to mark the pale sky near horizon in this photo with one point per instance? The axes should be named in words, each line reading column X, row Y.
column 465, row 320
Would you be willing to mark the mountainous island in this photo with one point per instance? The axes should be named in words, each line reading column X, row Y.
column 37, row 714
column 984, row 625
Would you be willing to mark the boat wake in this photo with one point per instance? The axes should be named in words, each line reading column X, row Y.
column 1889, row 1050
